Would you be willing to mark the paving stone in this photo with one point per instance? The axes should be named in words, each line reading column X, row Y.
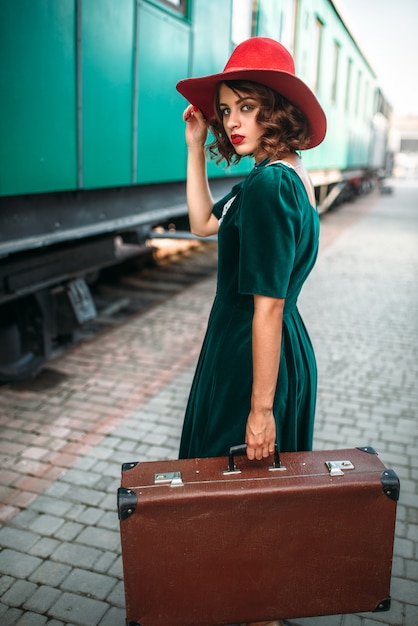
column 10, row 617
column 19, row 592
column 80, row 477
column 411, row 615
column 116, row 569
column 51, row 506
column 68, row 531
column 3, row 609
column 89, row 583
column 109, row 501
column 412, row 532
column 85, row 463
column 117, row 595
column 411, row 570
column 404, row 590
column 44, row 547
column 99, row 453
column 81, row 495
column 5, row 583
column 404, row 547
column 81, row 610
column 110, row 519
column 124, row 445
column 15, row 538
column 99, row 537
column 17, row 564
column 86, row 515
column 76, row 555
column 114, row 617
column 110, row 485
column 43, row 598
column 32, row 619
column 47, row 524
column 50, row 573
column 7, row 513
column 105, row 564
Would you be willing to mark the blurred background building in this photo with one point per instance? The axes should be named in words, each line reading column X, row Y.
column 404, row 141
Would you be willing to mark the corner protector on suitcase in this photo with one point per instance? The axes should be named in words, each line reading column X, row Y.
column 368, row 449
column 128, row 466
column 127, row 503
column 384, row 605
column 390, row 484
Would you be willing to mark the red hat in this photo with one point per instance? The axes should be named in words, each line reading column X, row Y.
column 260, row 60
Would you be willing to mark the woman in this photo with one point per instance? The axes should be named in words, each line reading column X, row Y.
column 256, row 376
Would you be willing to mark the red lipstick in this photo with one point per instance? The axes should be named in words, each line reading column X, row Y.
column 237, row 139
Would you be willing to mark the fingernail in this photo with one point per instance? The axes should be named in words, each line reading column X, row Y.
column 195, row 108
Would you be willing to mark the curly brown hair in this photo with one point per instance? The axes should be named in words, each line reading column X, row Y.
column 286, row 128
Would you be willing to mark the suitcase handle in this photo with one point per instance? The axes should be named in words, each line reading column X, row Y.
column 242, row 449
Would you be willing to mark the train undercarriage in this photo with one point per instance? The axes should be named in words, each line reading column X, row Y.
column 47, row 268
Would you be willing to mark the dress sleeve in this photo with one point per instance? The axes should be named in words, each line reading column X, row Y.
column 219, row 205
column 270, row 222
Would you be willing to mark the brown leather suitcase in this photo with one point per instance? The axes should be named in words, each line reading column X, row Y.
column 215, row 541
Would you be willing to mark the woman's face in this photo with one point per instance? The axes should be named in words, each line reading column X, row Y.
column 239, row 114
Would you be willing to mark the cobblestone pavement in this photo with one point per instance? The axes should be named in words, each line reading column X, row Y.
column 121, row 397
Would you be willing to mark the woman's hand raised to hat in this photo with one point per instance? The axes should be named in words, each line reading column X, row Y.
column 199, row 197
column 196, row 127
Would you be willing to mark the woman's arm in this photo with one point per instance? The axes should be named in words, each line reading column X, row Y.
column 266, row 344
column 199, row 199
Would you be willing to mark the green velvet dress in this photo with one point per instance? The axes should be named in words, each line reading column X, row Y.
column 268, row 243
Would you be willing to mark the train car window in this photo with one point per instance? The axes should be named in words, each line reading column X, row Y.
column 179, row 6
column 244, row 20
column 336, row 69
column 358, row 89
column 348, row 84
column 287, row 27
column 277, row 20
column 366, row 100
column 316, row 55
column 269, row 20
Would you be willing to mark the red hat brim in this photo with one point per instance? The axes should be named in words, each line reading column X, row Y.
column 201, row 92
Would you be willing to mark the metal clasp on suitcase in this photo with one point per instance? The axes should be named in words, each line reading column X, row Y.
column 173, row 479
column 241, row 450
column 336, row 467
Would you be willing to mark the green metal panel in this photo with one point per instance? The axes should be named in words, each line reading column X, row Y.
column 270, row 18
column 163, row 60
column 212, row 47
column 348, row 137
column 38, row 96
column 211, row 36
column 108, row 55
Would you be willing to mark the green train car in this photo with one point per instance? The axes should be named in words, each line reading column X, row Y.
column 92, row 137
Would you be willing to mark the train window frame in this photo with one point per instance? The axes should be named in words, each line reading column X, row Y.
column 178, row 8
column 359, row 89
column 317, row 54
column 250, row 27
column 336, row 69
column 348, row 83
column 288, row 24
column 366, row 97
